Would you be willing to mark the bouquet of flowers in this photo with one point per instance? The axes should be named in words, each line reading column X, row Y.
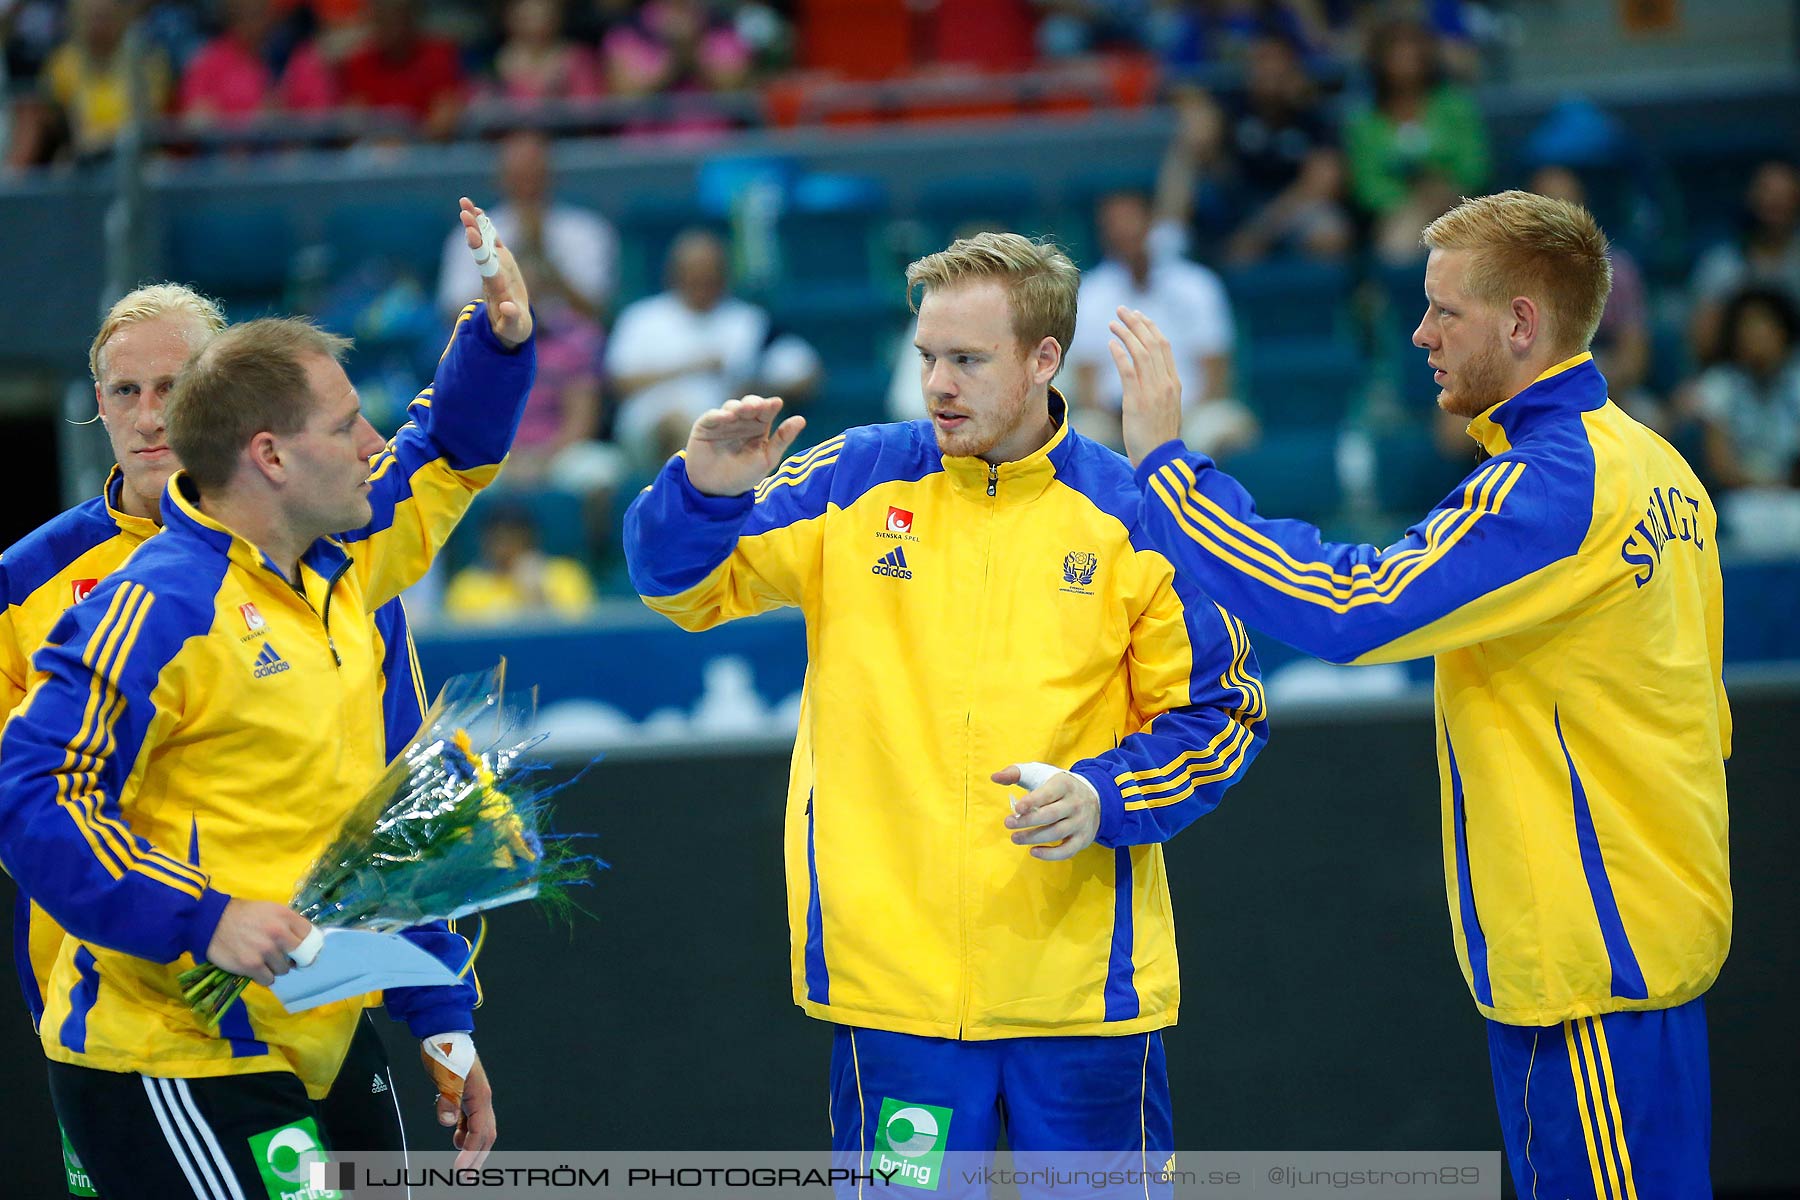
column 457, row 824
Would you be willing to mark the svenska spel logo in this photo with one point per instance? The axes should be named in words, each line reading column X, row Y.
column 899, row 520
column 909, row 1143
column 286, row 1156
column 81, row 589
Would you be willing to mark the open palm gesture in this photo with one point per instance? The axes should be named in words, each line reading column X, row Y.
column 732, row 447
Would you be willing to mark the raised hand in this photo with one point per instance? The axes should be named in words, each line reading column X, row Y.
column 731, row 448
column 1151, row 407
column 508, row 303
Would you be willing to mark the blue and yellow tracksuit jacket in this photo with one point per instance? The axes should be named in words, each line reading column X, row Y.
column 961, row 617
column 197, row 729
column 1570, row 591
column 56, row 566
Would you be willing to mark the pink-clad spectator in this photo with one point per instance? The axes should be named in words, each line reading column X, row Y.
column 232, row 77
column 675, row 46
column 537, row 62
column 401, row 67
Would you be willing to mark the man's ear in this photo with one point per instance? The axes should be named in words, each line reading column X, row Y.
column 265, row 457
column 1046, row 360
column 1527, row 325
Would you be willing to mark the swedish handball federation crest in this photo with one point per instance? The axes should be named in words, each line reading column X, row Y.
column 1079, row 567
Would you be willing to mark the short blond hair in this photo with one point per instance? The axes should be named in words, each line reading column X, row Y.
column 1523, row 244
column 249, row 379
column 1041, row 282
column 152, row 302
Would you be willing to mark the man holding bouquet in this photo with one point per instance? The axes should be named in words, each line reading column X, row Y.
column 139, row 350
column 197, row 729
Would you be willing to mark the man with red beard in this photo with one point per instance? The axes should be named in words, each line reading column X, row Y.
column 976, row 594
column 1570, row 592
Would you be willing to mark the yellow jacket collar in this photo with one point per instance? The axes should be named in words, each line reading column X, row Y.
column 113, row 493
column 1021, row 480
column 1573, row 384
column 181, row 511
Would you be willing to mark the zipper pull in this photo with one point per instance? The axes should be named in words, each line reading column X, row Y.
column 993, row 477
column 335, row 656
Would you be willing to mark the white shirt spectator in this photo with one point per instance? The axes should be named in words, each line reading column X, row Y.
column 1187, row 302
column 581, row 245
column 660, row 334
column 1762, row 421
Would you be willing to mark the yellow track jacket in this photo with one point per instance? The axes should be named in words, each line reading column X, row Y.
column 961, row 617
column 1570, row 591
column 196, row 730
column 59, row 564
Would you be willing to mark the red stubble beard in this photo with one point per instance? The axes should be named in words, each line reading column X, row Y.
column 985, row 430
column 1481, row 384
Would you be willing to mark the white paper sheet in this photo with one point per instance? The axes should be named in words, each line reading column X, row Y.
column 353, row 962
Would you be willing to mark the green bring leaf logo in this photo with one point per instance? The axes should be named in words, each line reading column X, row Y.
column 909, row 1143
column 286, row 1156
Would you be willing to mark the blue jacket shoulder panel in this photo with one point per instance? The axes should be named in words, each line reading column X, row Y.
column 35, row 559
column 1105, row 478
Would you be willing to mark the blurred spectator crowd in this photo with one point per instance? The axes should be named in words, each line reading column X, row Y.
column 1276, row 241
column 76, row 70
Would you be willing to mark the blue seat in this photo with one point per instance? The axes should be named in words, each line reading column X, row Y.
column 243, row 252
column 1303, row 383
column 836, row 247
column 1412, row 475
column 1000, row 202
column 646, row 231
column 410, row 237
column 1291, row 473
column 561, row 524
column 850, row 327
column 1289, row 298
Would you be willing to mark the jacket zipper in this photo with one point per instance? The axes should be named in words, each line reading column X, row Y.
column 325, row 619
column 962, row 843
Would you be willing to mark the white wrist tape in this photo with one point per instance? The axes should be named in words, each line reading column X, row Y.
column 308, row 949
column 487, row 258
column 455, row 1050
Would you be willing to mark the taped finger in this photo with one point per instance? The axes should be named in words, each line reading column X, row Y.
column 487, row 256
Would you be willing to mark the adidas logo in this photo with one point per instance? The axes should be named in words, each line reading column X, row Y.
column 892, row 564
column 378, row 1086
column 269, row 663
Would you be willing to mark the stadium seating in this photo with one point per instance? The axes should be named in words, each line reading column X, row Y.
column 1302, row 382
column 1291, row 473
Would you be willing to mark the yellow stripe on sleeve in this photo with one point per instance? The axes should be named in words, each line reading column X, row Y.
column 1236, row 677
column 774, row 481
column 1237, row 740
column 76, row 759
column 83, row 797
column 1206, row 523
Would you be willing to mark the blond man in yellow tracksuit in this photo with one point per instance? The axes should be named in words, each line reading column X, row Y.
column 1570, row 593
column 976, row 593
